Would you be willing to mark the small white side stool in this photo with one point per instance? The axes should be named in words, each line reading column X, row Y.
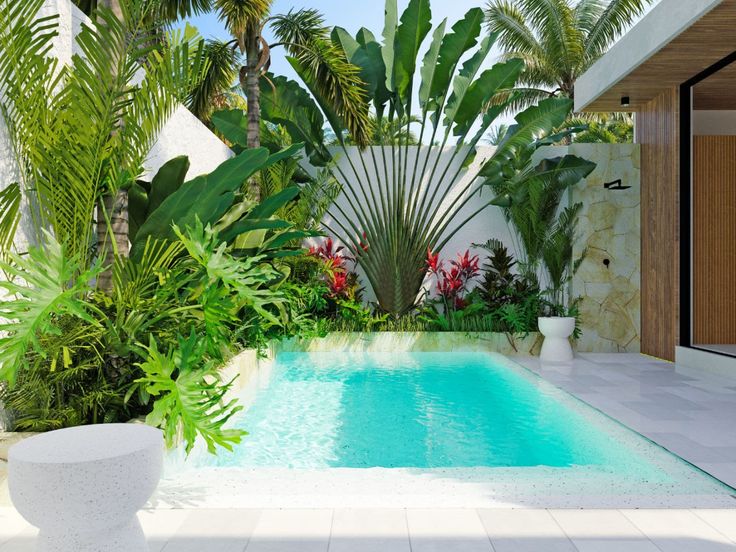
column 82, row 486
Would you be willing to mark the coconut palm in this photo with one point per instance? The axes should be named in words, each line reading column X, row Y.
column 306, row 39
column 557, row 39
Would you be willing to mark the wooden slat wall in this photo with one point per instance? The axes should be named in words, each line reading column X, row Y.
column 714, row 239
column 657, row 129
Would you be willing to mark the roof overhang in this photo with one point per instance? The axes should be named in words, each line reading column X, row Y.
column 674, row 42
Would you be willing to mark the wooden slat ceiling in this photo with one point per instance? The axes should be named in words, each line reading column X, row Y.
column 717, row 92
column 706, row 42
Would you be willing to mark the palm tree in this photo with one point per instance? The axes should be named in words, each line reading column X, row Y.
column 557, row 39
column 321, row 65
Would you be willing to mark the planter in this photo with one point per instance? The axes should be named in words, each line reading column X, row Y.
column 506, row 344
column 556, row 331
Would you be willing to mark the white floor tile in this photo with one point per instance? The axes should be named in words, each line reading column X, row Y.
column 679, row 531
column 602, row 531
column 439, row 530
column 723, row 521
column 214, row 531
column 160, row 526
column 292, row 531
column 369, row 531
column 522, row 530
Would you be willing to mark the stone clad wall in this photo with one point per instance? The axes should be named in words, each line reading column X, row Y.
column 609, row 280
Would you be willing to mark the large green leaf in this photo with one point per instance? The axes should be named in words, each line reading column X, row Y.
column 36, row 295
column 463, row 37
column 389, row 41
column 324, row 103
column 167, row 180
column 232, row 124
column 207, row 197
column 461, row 83
column 532, row 124
column 416, row 22
column 368, row 56
column 289, row 105
column 429, row 64
column 501, row 77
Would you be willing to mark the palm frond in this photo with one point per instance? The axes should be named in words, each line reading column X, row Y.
column 506, row 19
column 218, row 80
column 326, row 69
column 238, row 15
column 611, row 24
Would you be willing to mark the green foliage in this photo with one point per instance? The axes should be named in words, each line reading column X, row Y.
column 144, row 197
column 10, row 199
column 38, row 292
column 316, row 191
column 531, row 195
column 390, row 207
column 557, row 39
column 189, row 396
column 83, row 130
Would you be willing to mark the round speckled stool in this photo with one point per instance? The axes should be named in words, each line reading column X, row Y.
column 82, row 486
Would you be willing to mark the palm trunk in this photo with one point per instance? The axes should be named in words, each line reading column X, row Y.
column 112, row 211
column 250, row 83
column 112, row 237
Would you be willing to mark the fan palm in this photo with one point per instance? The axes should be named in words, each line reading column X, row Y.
column 557, row 39
column 398, row 202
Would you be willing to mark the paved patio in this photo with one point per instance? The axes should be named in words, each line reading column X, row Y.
column 691, row 413
column 452, row 530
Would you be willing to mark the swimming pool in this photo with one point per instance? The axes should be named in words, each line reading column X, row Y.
column 473, row 419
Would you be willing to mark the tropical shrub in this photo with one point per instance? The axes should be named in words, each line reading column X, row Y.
column 81, row 132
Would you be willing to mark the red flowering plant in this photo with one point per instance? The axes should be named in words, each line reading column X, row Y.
column 453, row 286
column 341, row 281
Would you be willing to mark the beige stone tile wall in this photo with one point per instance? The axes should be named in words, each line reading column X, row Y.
column 609, row 231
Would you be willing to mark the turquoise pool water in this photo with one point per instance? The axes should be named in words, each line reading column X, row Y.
column 426, row 410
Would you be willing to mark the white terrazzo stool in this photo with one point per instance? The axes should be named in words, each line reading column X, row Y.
column 82, row 486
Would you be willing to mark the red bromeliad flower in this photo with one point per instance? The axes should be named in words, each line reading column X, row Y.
column 339, row 279
column 338, row 283
column 453, row 284
column 433, row 262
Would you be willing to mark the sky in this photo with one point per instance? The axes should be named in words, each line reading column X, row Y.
column 352, row 15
